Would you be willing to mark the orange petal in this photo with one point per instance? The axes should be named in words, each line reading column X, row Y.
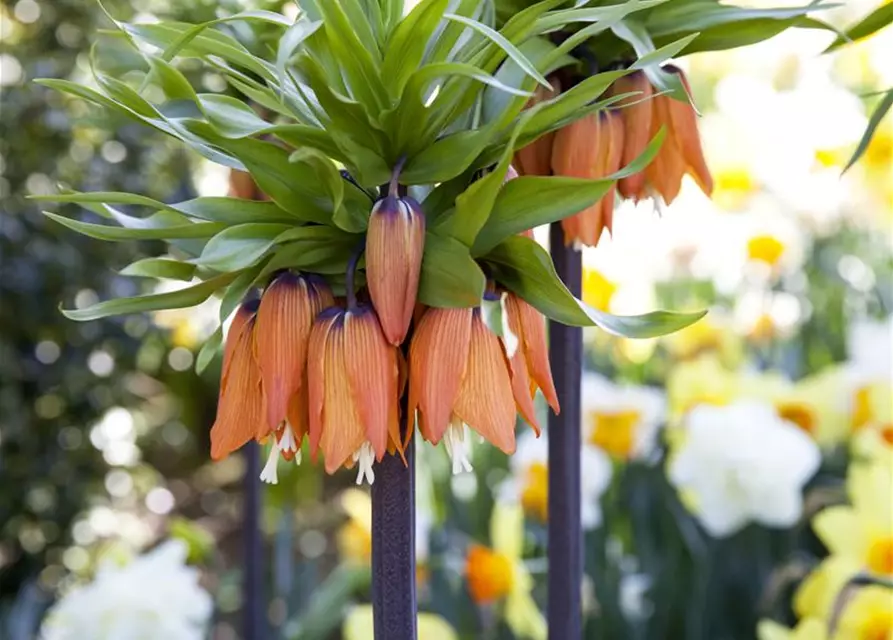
column 637, row 128
column 316, row 373
column 665, row 172
column 373, row 374
column 395, row 242
column 245, row 313
column 437, row 362
column 612, row 159
column 283, row 329
column 485, row 401
column 684, row 128
column 536, row 158
column 240, row 410
column 536, row 348
column 342, row 429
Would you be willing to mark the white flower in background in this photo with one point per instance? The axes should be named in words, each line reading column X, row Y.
column 623, row 420
column 870, row 346
column 529, row 480
column 154, row 596
column 741, row 463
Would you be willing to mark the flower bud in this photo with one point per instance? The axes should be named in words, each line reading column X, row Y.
column 536, row 158
column 395, row 243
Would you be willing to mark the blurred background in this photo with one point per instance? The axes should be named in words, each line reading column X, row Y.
column 104, row 425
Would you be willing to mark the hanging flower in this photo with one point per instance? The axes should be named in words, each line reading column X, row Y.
column 528, row 484
column 241, row 413
column 154, row 596
column 624, row 421
column 743, row 463
column 497, row 575
column 459, row 376
column 395, row 242
column 681, row 151
column 353, row 390
column 536, row 158
column 591, row 147
column 530, row 362
column 636, row 116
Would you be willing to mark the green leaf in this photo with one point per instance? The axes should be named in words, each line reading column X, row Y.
column 230, row 116
column 649, row 325
column 873, row 123
column 173, row 83
column 240, row 246
column 238, row 290
column 450, row 277
column 159, row 232
column 872, row 23
column 187, row 297
column 294, row 36
column 208, row 351
column 523, row 266
column 196, row 30
column 499, row 40
column 160, row 268
column 637, row 35
column 406, row 47
column 448, row 157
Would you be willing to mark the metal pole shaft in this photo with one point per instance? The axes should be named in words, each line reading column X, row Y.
column 252, row 561
column 393, row 548
column 565, row 546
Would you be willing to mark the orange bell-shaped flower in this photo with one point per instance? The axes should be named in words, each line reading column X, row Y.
column 458, row 376
column 681, row 151
column 395, row 242
column 240, row 406
column 591, row 147
column 353, row 389
column 636, row 116
column 287, row 311
column 531, row 358
column 536, row 158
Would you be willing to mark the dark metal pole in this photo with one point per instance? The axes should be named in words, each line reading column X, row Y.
column 252, row 561
column 565, row 544
column 393, row 548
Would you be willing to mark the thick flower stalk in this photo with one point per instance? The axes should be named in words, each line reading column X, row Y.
column 395, row 242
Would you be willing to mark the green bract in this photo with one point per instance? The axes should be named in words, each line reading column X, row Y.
column 350, row 89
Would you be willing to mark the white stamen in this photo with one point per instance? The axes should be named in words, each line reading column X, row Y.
column 458, row 446
column 288, row 442
column 270, row 474
column 299, row 457
column 364, row 457
column 509, row 339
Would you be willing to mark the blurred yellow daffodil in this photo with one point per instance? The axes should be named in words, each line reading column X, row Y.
column 703, row 380
column 355, row 536
column 358, row 625
column 867, row 615
column 497, row 575
column 734, row 185
column 765, row 248
column 597, row 289
column 807, row 629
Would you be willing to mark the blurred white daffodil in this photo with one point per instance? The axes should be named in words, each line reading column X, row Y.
column 154, row 596
column 741, row 463
column 528, row 484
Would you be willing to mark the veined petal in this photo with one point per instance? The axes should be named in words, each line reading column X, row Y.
column 536, row 348
column 373, row 375
column 437, row 364
column 522, row 388
column 284, row 320
column 342, row 429
column 665, row 172
column 395, row 242
column 536, row 158
column 245, row 313
column 240, row 410
column 636, row 118
column 684, row 129
column 485, row 401
column 316, row 372
column 613, row 159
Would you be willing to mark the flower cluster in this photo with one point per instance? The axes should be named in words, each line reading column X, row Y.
column 299, row 363
column 599, row 144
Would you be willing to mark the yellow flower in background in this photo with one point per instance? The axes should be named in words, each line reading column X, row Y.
column 807, row 629
column 872, row 403
column 765, row 248
column 498, row 574
column 858, row 536
column 733, row 187
column 713, row 333
column 358, row 625
column 814, row 405
column 355, row 536
column 597, row 289
column 868, row 615
column 703, row 380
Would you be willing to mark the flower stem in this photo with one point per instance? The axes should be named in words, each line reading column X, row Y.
column 351, row 276
column 394, row 606
column 393, row 186
column 565, row 545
